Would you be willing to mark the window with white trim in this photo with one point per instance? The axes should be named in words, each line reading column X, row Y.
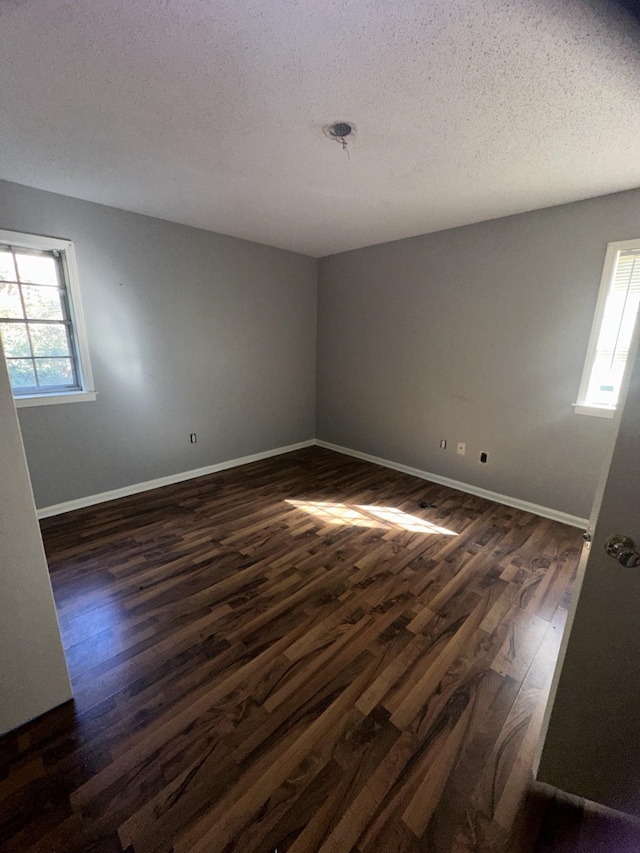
column 41, row 325
column 612, row 331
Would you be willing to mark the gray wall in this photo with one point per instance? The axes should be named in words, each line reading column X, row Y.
column 476, row 334
column 33, row 672
column 189, row 331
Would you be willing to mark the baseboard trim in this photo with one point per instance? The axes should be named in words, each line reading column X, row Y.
column 136, row 488
column 516, row 503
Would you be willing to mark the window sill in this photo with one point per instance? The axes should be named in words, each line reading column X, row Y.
column 594, row 411
column 53, row 399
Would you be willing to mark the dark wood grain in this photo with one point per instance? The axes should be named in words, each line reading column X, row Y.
column 294, row 656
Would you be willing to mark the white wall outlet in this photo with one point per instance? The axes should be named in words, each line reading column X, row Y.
column 461, row 449
column 443, row 443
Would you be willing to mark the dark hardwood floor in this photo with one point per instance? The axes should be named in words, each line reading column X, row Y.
column 295, row 656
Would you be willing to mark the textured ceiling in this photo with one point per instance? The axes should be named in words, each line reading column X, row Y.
column 210, row 112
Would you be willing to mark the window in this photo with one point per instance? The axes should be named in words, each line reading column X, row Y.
column 41, row 325
column 612, row 331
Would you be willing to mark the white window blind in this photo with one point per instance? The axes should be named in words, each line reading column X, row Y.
column 613, row 329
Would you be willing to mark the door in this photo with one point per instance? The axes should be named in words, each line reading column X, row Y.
column 592, row 744
column 33, row 669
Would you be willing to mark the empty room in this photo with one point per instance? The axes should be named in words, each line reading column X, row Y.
column 319, row 406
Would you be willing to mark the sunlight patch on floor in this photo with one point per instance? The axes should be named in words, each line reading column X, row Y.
column 358, row 515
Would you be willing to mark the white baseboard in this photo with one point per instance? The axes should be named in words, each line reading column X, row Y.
column 536, row 509
column 136, row 488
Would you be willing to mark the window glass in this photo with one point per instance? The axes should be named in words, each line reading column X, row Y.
column 37, row 326
column 613, row 329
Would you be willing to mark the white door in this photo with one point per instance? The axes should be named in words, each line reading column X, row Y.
column 592, row 745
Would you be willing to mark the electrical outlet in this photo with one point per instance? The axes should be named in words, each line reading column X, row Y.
column 484, row 456
column 461, row 449
column 443, row 443
column 193, row 438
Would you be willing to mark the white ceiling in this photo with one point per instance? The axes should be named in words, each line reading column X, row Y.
column 210, row 112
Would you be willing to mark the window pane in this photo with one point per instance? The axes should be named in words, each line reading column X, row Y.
column 15, row 340
column 36, row 317
column 55, row 371
column 10, row 304
column 606, row 378
column 40, row 269
column 7, row 269
column 21, row 373
column 49, row 340
column 626, row 276
column 42, row 303
column 616, row 331
column 618, row 322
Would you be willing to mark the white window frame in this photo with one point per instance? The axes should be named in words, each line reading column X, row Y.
column 581, row 407
column 85, row 376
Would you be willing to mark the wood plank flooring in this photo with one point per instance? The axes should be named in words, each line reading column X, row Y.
column 293, row 656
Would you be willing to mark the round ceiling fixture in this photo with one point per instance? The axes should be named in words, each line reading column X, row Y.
column 339, row 130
